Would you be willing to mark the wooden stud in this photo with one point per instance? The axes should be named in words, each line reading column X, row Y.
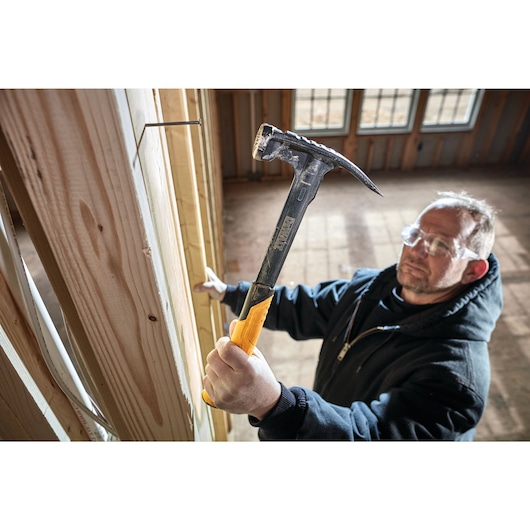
column 388, row 154
column 20, row 416
column 440, row 141
column 516, row 129
column 499, row 104
column 187, row 162
column 370, row 155
column 410, row 150
column 237, row 132
column 351, row 141
column 467, row 153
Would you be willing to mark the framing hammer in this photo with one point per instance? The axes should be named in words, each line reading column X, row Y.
column 310, row 161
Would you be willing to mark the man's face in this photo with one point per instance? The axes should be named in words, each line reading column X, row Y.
column 427, row 279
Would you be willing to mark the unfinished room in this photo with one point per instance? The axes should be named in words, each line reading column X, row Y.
column 143, row 227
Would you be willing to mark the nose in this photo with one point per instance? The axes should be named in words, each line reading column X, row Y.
column 420, row 248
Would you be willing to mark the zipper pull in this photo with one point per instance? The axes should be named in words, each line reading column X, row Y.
column 343, row 352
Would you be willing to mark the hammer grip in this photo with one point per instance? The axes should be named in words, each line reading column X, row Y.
column 247, row 332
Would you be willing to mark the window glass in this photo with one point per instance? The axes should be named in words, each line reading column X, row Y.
column 451, row 108
column 321, row 111
column 387, row 110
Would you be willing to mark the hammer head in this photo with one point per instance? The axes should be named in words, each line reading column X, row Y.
column 271, row 143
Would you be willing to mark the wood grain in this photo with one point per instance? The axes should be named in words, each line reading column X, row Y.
column 72, row 174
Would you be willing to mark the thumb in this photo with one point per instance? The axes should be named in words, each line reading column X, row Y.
column 231, row 330
column 232, row 327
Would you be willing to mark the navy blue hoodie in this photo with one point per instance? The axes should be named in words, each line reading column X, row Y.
column 406, row 373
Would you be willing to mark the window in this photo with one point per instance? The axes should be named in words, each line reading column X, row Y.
column 451, row 109
column 322, row 111
column 387, row 110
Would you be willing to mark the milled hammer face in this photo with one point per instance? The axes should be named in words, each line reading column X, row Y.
column 310, row 161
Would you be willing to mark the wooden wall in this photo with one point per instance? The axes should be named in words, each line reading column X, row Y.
column 124, row 218
column 501, row 135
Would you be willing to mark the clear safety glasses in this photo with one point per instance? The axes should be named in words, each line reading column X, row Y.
column 435, row 245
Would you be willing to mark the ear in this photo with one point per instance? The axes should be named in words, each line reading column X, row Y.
column 475, row 270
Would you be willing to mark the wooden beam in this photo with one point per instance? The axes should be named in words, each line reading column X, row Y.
column 370, row 155
column 440, row 141
column 237, row 132
column 351, row 141
column 23, row 415
column 70, row 161
column 210, row 188
column 524, row 158
column 20, row 417
column 388, row 154
column 410, row 150
column 213, row 178
column 186, row 156
column 171, row 235
column 468, row 153
column 516, row 129
column 498, row 103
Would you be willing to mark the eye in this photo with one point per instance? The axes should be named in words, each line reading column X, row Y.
column 439, row 243
column 440, row 246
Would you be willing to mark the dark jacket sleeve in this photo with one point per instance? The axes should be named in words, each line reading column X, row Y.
column 303, row 312
column 399, row 414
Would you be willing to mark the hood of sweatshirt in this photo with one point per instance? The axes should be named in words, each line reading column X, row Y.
column 472, row 315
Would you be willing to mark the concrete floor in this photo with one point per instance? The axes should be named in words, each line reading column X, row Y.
column 347, row 227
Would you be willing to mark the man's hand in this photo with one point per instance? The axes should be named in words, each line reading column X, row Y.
column 239, row 383
column 214, row 286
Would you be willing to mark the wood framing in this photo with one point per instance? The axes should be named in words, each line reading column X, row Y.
column 410, row 151
column 468, row 146
column 21, row 417
column 519, row 124
column 92, row 187
column 187, row 158
column 351, row 141
column 499, row 104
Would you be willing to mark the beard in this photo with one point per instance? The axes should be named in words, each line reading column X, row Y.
column 413, row 276
column 418, row 285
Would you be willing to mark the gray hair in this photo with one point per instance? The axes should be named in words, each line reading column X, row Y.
column 483, row 236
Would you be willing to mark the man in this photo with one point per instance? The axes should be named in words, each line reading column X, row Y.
column 404, row 353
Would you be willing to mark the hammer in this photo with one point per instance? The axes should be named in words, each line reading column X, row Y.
column 310, row 161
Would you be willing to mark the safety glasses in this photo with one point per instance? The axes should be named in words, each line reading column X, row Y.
column 435, row 245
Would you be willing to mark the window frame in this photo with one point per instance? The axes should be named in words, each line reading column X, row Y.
column 337, row 131
column 402, row 129
column 455, row 127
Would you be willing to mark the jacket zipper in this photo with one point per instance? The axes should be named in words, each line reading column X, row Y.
column 348, row 345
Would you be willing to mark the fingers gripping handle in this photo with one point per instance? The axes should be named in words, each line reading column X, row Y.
column 247, row 332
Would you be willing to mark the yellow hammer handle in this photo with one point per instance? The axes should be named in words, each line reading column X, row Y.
column 247, row 332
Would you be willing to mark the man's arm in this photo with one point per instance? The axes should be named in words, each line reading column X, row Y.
column 422, row 409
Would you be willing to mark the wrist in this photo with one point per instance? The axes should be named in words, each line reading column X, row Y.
column 268, row 404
